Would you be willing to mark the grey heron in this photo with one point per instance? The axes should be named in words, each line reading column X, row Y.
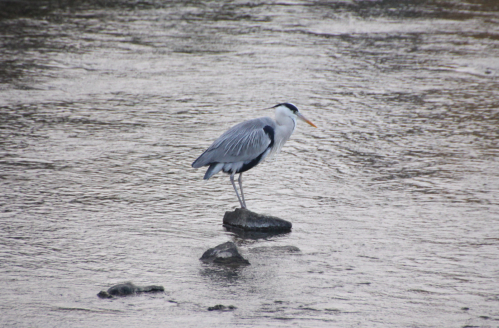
column 248, row 143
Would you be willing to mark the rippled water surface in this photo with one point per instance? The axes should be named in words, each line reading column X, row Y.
column 394, row 198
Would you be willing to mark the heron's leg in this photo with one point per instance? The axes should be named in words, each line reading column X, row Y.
column 234, row 185
column 240, row 180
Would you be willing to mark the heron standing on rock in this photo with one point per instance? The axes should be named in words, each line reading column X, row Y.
column 247, row 144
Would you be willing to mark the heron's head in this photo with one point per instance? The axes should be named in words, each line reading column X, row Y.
column 291, row 111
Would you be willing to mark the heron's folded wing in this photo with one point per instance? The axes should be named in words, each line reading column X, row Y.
column 243, row 142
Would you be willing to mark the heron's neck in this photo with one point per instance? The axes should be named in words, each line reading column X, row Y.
column 285, row 127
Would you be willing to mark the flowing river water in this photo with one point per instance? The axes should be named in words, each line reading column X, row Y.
column 394, row 198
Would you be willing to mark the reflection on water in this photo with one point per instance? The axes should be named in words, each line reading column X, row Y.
column 105, row 104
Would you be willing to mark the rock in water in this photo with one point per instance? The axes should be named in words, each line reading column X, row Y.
column 128, row 289
column 225, row 253
column 251, row 221
column 221, row 307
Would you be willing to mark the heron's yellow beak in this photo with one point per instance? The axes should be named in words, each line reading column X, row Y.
column 304, row 119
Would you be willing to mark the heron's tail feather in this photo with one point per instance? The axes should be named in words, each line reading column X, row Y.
column 200, row 161
column 213, row 169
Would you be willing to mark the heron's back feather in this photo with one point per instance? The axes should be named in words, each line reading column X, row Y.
column 242, row 143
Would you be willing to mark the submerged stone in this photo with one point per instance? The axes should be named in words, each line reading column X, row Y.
column 220, row 307
column 129, row 288
column 250, row 221
column 276, row 249
column 226, row 254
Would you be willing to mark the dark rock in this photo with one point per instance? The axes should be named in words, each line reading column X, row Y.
column 104, row 294
column 221, row 307
column 255, row 235
column 225, row 253
column 129, row 289
column 251, row 221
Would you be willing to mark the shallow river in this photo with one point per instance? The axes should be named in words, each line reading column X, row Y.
column 394, row 198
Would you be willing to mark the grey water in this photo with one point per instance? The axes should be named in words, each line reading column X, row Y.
column 394, row 198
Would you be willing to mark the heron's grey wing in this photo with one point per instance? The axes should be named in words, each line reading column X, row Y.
column 243, row 142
